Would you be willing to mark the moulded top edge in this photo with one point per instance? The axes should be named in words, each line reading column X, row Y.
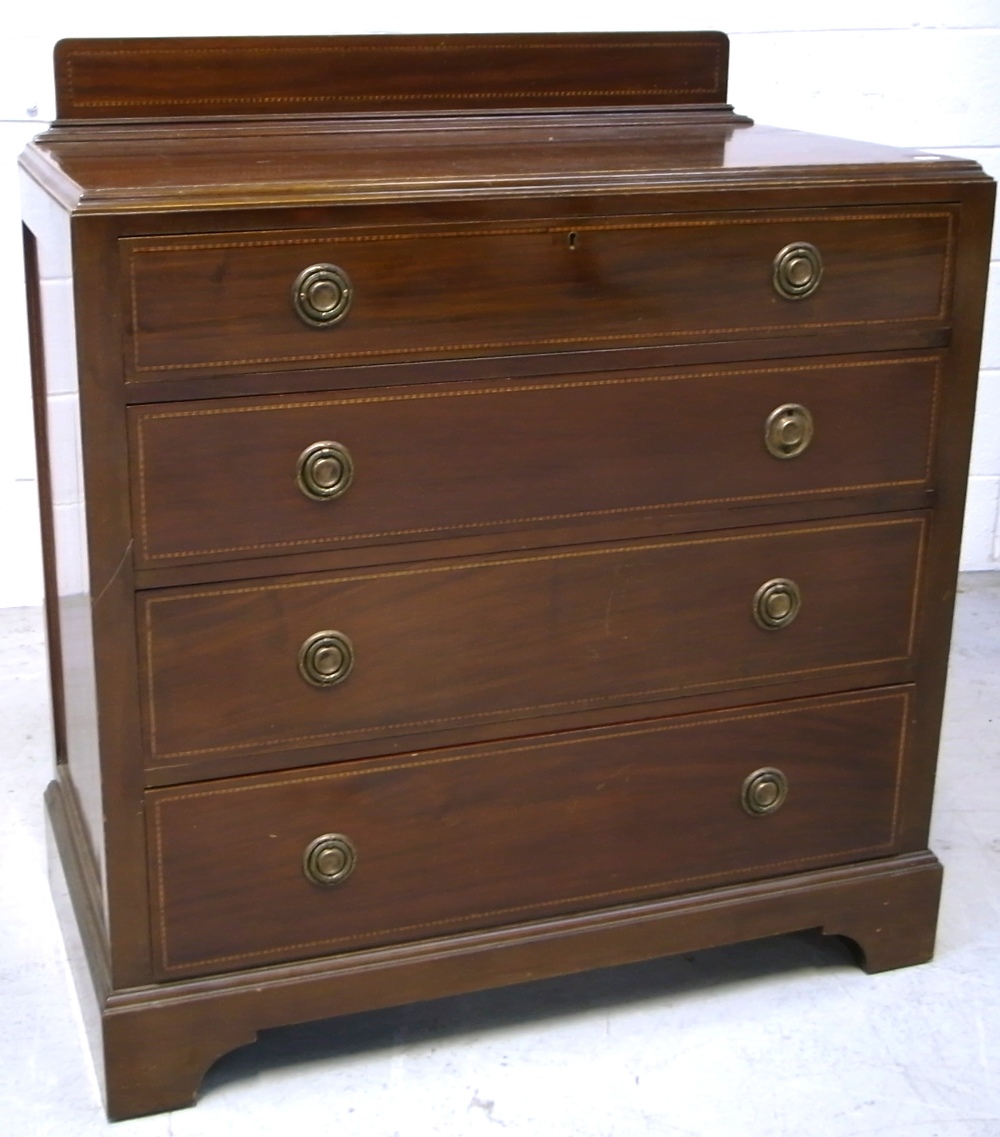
column 158, row 174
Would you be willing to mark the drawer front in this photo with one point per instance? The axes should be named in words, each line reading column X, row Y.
column 225, row 478
column 227, row 301
column 472, row 838
column 442, row 645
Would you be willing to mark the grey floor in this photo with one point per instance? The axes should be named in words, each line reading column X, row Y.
column 765, row 1039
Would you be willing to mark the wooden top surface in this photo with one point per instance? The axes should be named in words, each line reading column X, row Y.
column 157, row 170
column 166, row 125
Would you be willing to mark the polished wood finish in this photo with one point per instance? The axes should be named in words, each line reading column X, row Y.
column 553, row 381
column 164, row 1039
column 553, row 632
column 626, row 157
column 456, row 840
column 445, row 291
column 214, row 481
column 144, row 78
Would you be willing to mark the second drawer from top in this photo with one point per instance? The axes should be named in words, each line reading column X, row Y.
column 251, row 477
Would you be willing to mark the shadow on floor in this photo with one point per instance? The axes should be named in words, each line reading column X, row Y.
column 482, row 1012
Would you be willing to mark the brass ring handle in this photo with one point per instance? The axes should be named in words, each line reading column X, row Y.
column 326, row 659
column 776, row 603
column 797, row 271
column 764, row 791
column 324, row 470
column 321, row 295
column 329, row 859
column 788, row 430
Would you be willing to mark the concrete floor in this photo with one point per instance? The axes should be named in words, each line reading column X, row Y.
column 767, row 1039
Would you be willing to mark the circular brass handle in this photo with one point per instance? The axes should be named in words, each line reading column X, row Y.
column 326, row 659
column 788, row 430
column 324, row 470
column 798, row 269
column 764, row 791
column 776, row 603
column 329, row 859
column 321, row 295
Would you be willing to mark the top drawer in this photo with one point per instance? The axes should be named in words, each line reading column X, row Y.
column 386, row 294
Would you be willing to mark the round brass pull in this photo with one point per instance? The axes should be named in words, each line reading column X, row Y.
column 326, row 659
column 324, row 470
column 776, row 603
column 321, row 295
column 788, row 430
column 764, row 791
column 798, row 269
column 329, row 859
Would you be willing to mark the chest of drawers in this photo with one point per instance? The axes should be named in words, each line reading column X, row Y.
column 501, row 513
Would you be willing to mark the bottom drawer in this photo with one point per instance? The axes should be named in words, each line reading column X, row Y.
column 480, row 836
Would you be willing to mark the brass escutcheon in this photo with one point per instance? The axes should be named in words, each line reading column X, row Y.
column 326, row 659
column 764, row 791
column 798, row 269
column 321, row 295
column 329, row 859
column 324, row 470
column 788, row 430
column 776, row 603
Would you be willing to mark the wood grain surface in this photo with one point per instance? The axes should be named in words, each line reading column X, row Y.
column 447, row 840
column 553, row 378
column 218, row 480
column 498, row 639
column 449, row 291
column 205, row 77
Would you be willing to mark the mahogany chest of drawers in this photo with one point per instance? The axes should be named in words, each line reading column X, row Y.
column 501, row 513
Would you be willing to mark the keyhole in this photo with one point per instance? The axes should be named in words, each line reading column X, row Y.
column 571, row 240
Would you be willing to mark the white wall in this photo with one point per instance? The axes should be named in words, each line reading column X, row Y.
column 920, row 73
